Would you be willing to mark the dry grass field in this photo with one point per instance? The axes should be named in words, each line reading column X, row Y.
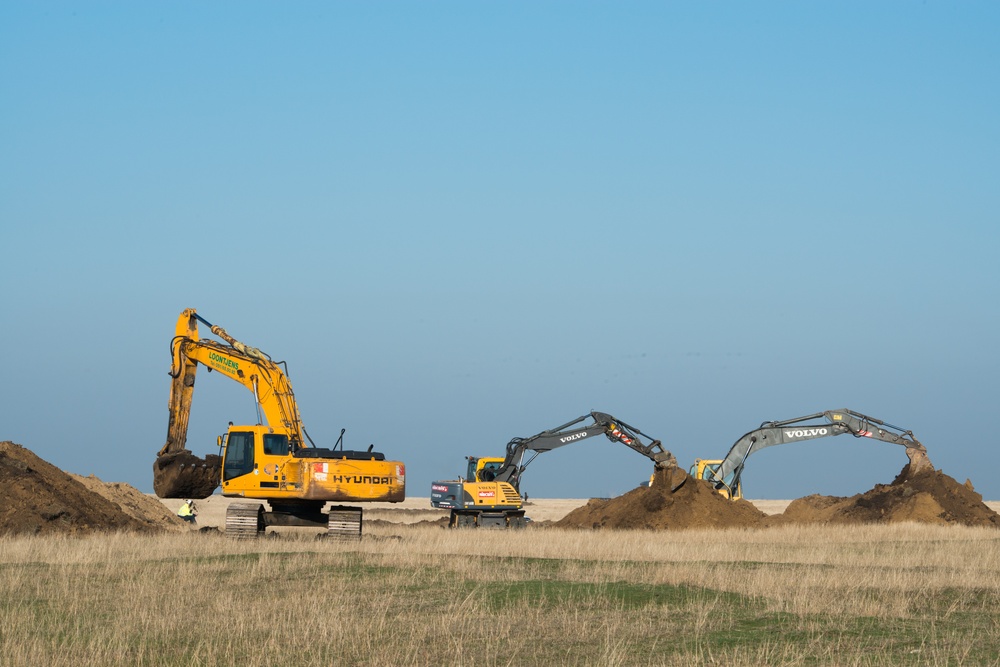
column 421, row 595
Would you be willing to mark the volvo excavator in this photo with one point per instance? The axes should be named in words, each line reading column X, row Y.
column 273, row 460
column 725, row 474
column 489, row 495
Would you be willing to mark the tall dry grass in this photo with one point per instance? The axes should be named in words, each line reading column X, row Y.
column 872, row 595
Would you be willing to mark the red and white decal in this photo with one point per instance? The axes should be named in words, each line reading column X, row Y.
column 439, row 487
column 487, row 494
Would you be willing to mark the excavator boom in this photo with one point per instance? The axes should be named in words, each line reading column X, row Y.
column 177, row 472
column 819, row 425
column 560, row 436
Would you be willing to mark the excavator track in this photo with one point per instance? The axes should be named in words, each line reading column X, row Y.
column 344, row 523
column 245, row 520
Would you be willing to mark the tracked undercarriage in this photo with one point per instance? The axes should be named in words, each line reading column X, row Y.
column 250, row 520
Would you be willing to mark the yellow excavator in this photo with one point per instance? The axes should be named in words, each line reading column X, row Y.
column 489, row 495
column 270, row 460
column 726, row 473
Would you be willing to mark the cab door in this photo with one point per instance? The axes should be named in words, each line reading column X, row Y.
column 274, row 454
column 239, row 457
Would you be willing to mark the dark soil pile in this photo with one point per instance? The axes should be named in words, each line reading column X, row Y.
column 925, row 496
column 694, row 504
column 38, row 498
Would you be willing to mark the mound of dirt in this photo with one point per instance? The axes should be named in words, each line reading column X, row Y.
column 39, row 498
column 135, row 503
column 923, row 495
column 919, row 493
column 694, row 504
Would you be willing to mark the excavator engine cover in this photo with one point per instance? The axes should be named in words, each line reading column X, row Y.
column 184, row 475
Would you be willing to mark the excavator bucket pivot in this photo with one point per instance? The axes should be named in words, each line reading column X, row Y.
column 184, row 475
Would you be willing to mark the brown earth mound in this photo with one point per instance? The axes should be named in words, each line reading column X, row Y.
column 135, row 503
column 37, row 497
column 694, row 504
column 924, row 496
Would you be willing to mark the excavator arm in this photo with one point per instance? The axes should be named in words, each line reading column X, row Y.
column 811, row 427
column 603, row 424
column 177, row 472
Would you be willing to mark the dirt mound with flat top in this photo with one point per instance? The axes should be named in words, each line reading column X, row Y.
column 923, row 496
column 665, row 505
column 38, row 498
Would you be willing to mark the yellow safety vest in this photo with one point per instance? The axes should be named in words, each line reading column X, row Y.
column 185, row 510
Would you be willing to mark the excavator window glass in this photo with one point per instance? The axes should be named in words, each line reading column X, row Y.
column 239, row 455
column 276, row 444
column 489, row 471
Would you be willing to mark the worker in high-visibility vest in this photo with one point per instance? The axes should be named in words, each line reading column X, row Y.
column 187, row 511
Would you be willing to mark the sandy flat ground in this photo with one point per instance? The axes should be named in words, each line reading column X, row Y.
column 212, row 511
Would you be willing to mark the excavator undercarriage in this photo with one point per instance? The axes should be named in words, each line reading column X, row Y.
column 249, row 520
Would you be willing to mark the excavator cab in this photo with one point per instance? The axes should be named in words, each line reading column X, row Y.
column 483, row 469
column 253, row 458
column 708, row 469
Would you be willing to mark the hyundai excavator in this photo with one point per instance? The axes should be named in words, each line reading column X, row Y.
column 725, row 474
column 489, row 495
column 270, row 460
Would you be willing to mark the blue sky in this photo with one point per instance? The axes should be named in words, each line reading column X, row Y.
column 464, row 222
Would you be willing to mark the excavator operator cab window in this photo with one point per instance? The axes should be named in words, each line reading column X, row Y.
column 239, row 455
column 489, row 471
column 276, row 444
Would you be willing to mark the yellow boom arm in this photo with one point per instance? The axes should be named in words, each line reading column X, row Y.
column 244, row 364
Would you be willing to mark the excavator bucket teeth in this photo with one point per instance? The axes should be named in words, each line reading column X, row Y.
column 184, row 475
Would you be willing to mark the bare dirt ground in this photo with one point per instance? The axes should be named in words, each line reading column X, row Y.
column 212, row 510
column 38, row 498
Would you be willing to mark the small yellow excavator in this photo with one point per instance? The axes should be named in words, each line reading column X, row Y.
column 489, row 495
column 269, row 460
column 726, row 473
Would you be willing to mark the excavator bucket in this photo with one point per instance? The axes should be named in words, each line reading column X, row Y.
column 672, row 477
column 919, row 462
column 184, row 475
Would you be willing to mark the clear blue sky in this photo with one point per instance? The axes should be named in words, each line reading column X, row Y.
column 462, row 222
